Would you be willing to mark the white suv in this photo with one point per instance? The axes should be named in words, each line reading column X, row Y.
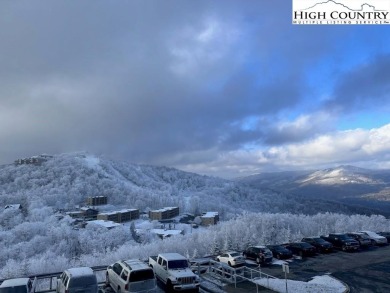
column 131, row 276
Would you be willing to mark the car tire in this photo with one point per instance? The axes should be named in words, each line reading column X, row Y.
column 229, row 263
column 169, row 286
column 119, row 290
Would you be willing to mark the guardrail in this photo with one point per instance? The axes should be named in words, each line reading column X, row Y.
column 45, row 283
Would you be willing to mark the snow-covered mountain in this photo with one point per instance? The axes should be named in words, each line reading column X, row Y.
column 341, row 175
column 345, row 184
column 66, row 180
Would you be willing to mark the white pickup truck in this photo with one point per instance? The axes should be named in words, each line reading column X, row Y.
column 174, row 271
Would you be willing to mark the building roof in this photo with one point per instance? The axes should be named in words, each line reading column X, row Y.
column 165, row 209
column 13, row 206
column 209, row 215
column 119, row 212
column 105, row 224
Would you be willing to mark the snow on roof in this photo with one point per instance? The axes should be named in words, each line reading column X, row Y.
column 166, row 232
column 172, row 256
column 209, row 215
column 14, row 282
column 81, row 271
column 165, row 209
column 13, row 206
column 87, row 208
column 106, row 224
column 117, row 212
column 136, row 264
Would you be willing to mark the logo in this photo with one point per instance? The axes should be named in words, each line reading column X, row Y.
column 341, row 12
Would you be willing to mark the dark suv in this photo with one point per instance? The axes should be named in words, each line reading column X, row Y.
column 261, row 254
column 301, row 248
column 280, row 252
column 320, row 244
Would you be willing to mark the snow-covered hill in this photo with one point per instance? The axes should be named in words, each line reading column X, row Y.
column 66, row 180
column 340, row 175
column 346, row 184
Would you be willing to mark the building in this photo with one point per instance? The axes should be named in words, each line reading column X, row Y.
column 164, row 213
column 35, row 160
column 13, row 207
column 119, row 216
column 209, row 218
column 88, row 212
column 106, row 224
column 96, row 200
column 163, row 233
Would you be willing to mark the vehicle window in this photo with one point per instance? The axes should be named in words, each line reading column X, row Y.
column 82, row 281
column 65, row 280
column 160, row 261
column 234, row 254
column 136, row 276
column 117, row 268
column 164, row 263
column 178, row 264
column 17, row 289
column 124, row 275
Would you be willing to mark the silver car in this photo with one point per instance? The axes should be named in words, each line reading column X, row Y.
column 77, row 280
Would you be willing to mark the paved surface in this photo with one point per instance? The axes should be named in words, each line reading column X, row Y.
column 365, row 271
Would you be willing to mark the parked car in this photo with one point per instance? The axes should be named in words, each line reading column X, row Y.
column 261, row 254
column 77, row 280
column 385, row 234
column 342, row 241
column 362, row 238
column 19, row 285
column 232, row 258
column 301, row 248
column 280, row 252
column 375, row 238
column 320, row 244
column 131, row 276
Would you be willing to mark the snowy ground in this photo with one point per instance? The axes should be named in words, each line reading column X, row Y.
column 319, row 284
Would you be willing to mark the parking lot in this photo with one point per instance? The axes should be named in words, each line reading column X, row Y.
column 363, row 271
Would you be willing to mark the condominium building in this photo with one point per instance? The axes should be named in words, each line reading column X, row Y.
column 209, row 218
column 164, row 213
column 119, row 216
column 96, row 200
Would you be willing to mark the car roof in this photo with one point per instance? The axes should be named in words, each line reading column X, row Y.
column 136, row 264
column 260, row 246
column 172, row 256
column 81, row 271
column 14, row 282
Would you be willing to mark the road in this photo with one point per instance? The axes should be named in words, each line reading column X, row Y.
column 364, row 271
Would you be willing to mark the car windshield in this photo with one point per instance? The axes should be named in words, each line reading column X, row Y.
column 178, row 264
column 234, row 254
column 344, row 237
column 16, row 289
column 279, row 248
column 305, row 245
column 319, row 240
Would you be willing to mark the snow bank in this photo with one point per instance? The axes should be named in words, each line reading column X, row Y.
column 319, row 284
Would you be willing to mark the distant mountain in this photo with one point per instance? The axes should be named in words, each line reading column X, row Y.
column 344, row 184
column 65, row 181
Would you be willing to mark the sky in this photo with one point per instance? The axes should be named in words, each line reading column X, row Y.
column 222, row 88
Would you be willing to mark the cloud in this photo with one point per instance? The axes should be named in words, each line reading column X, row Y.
column 367, row 148
column 188, row 85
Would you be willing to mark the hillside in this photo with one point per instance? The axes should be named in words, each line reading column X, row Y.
column 64, row 181
column 349, row 185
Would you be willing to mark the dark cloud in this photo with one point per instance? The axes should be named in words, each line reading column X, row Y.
column 168, row 82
